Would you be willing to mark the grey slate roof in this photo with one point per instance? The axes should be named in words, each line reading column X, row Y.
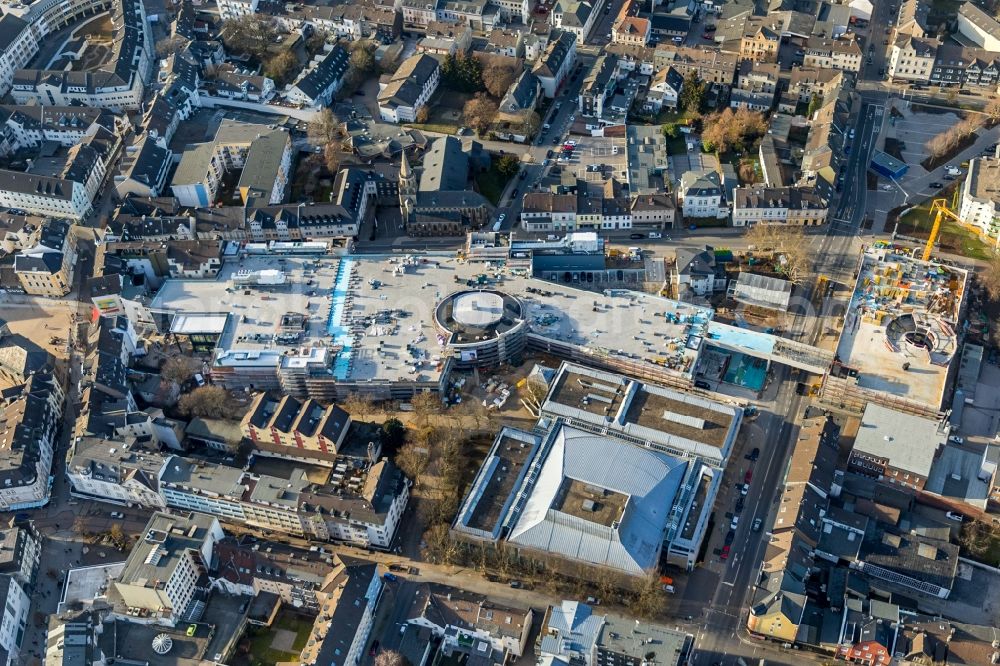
column 330, row 71
column 446, row 166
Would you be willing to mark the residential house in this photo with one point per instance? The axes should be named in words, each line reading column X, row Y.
column 555, row 64
column 47, row 268
column 32, row 414
column 350, row 594
column 794, row 206
column 321, row 79
column 143, row 169
column 508, row 43
column 701, row 194
column 406, row 91
column 842, row 54
column 631, row 30
column 664, row 91
column 911, row 59
column 286, row 426
column 445, row 39
column 263, row 154
column 165, row 567
column 576, row 17
column 696, row 272
column 236, row 83
column 980, row 195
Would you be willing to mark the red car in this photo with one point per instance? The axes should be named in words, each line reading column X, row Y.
column 748, row 476
column 725, row 553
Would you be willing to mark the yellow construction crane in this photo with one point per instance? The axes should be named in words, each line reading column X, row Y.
column 939, row 207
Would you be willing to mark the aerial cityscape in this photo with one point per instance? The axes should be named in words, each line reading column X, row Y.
column 499, row 332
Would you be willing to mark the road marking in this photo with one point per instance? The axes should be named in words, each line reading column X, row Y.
column 730, row 584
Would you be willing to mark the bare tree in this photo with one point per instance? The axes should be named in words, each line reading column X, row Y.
column 324, row 128
column 498, row 78
column 425, row 406
column 391, row 658
column 945, row 142
column 990, row 278
column 730, row 129
column 359, row 405
column 787, row 244
column 179, row 369
column 251, row 34
column 205, row 401
column 649, row 600
column 281, row 66
column 413, row 460
column 534, row 392
column 480, row 112
column 992, row 110
column 169, row 45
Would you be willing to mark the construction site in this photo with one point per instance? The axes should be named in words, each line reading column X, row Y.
column 900, row 332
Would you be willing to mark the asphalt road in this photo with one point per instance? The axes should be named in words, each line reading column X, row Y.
column 854, row 188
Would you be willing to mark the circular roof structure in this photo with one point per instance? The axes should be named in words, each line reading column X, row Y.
column 475, row 315
column 162, row 644
column 478, row 308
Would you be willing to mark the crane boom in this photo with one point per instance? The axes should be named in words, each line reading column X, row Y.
column 939, row 208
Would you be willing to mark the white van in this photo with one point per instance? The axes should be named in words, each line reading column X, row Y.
column 653, row 234
column 199, row 380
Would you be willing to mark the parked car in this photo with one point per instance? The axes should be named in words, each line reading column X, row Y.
column 373, row 650
column 956, row 439
column 936, row 185
column 702, row 384
column 117, row 514
column 748, row 477
column 740, row 503
column 755, row 453
column 745, row 489
column 593, row 601
column 735, row 523
column 516, row 584
column 957, row 517
column 636, row 236
column 725, row 552
column 730, row 535
column 757, row 522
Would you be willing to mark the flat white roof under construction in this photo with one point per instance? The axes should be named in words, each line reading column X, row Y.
column 193, row 324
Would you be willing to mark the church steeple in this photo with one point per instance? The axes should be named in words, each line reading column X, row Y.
column 407, row 190
column 407, row 183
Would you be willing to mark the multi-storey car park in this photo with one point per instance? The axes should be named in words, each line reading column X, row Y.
column 394, row 325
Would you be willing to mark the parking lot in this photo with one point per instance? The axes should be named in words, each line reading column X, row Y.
column 595, row 158
column 915, row 129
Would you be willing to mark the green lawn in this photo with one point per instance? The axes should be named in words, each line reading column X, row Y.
column 954, row 238
column 261, row 652
column 491, row 184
